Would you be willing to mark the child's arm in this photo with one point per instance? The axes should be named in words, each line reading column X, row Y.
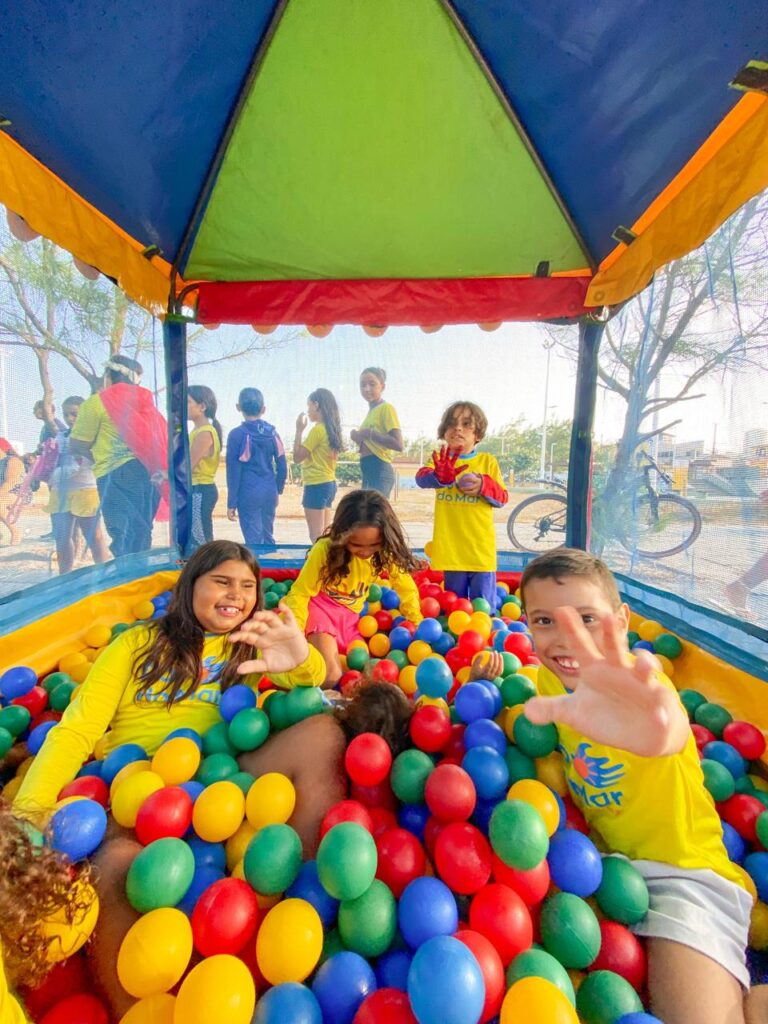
column 617, row 702
column 489, row 486
column 307, row 584
column 440, row 470
column 300, row 452
column 410, row 602
column 234, row 468
column 282, row 648
column 281, row 463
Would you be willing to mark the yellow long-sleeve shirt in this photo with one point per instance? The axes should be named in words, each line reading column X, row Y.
column 10, row 1009
column 350, row 591
column 107, row 704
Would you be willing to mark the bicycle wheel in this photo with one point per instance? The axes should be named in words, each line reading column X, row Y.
column 662, row 526
column 538, row 523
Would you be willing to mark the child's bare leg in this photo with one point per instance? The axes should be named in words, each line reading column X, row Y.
column 315, row 522
column 756, row 1005
column 311, row 754
column 116, row 916
column 329, row 649
column 686, row 986
column 94, row 537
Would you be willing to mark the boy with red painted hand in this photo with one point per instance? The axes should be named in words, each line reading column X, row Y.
column 468, row 486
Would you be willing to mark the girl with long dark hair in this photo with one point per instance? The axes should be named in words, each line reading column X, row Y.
column 204, row 452
column 317, row 455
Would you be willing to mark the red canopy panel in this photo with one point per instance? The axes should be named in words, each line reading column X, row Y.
column 392, row 302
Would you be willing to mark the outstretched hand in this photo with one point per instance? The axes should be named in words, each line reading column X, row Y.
column 281, row 645
column 444, row 462
column 618, row 701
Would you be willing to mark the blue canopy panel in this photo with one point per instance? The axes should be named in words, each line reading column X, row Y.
column 126, row 101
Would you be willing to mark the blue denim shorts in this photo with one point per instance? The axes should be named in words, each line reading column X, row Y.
column 319, row 495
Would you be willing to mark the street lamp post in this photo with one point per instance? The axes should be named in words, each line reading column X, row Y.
column 543, row 453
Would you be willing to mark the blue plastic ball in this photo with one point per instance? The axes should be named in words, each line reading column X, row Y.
column 390, row 599
column 37, row 736
column 399, row 638
column 735, row 846
column 481, row 816
column 488, row 770
column 307, row 886
column 118, row 758
column 445, row 983
column 192, row 787
column 392, row 969
column 756, row 866
column 574, row 863
column 428, row 630
column 288, row 1002
column 190, row 734
column 91, row 768
column 517, row 627
column 473, row 701
column 484, row 732
column 235, row 699
column 427, row 908
column 77, row 829
column 17, row 681
column 433, row 677
column 204, row 876
column 639, row 1018
column 341, row 984
column 727, row 755
column 208, row 854
column 413, row 817
column 499, row 638
column 643, row 645
column 495, row 692
column 561, row 805
column 443, row 644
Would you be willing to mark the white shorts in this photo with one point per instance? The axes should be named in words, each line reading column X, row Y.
column 699, row 909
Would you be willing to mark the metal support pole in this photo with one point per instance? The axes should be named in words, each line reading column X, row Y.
column 580, row 463
column 179, row 472
column 543, row 453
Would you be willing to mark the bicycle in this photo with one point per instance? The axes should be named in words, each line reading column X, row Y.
column 639, row 515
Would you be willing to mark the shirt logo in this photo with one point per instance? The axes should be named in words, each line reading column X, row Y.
column 595, row 773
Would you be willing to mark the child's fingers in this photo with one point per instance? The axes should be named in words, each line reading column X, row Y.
column 252, row 667
column 583, row 646
column 543, row 710
column 288, row 618
column 614, row 640
column 646, row 666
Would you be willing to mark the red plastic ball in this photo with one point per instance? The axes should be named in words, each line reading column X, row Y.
column 447, row 601
column 77, row 1009
column 383, row 820
column 385, row 671
column 471, row 642
column 491, row 967
column 431, row 590
column 742, row 811
column 346, row 810
column 66, row 978
column 463, row 858
column 457, row 659
column 574, row 818
column 432, row 831
column 401, row 859
column 34, row 700
column 225, row 917
column 385, row 1006
column 380, row 795
column 450, row 793
column 349, row 680
column 90, row 786
column 455, row 745
column 702, row 735
column 47, row 716
column 498, row 913
column 519, row 644
column 463, row 605
column 430, row 607
column 368, row 759
column 747, row 738
column 430, row 728
column 166, row 813
column 383, row 620
column 622, row 953
column 531, row 886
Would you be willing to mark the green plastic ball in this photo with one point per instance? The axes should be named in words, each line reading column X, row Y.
column 367, row 925
column 272, row 859
column 668, row 645
column 604, row 997
column 718, row 780
column 216, row 740
column 160, row 875
column 332, row 945
column 713, row 717
column 623, row 894
column 692, row 700
column 516, row 689
column 303, row 702
column 54, row 679
column 6, row 741
column 347, row 861
column 243, row 780
column 267, row 583
column 400, row 658
column 570, row 931
column 248, row 729
column 15, row 719
column 118, row 628
column 518, row 834
column 534, row 740
column 271, row 600
column 537, row 963
column 479, row 604
column 374, row 594
column 744, row 785
column 520, row 765
column 277, row 711
column 216, row 768
column 60, row 696
column 357, row 659
column 632, row 638
column 410, row 771
column 511, row 662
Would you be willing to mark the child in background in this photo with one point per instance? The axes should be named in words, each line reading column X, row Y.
column 256, row 470
column 643, row 791
column 11, row 476
column 204, row 452
column 469, row 487
column 318, row 455
column 379, row 437
column 364, row 540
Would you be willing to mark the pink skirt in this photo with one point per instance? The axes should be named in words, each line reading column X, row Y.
column 328, row 616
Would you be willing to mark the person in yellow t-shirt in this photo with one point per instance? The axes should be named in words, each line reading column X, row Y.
column 633, row 770
column 379, row 437
column 317, row 455
column 204, row 453
column 469, row 486
column 364, row 540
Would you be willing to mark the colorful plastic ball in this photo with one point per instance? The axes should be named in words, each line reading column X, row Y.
column 367, row 626
column 427, row 908
column 176, row 760
column 367, row 924
column 735, row 846
column 410, row 771
column 463, row 858
column 604, row 996
column 458, row 620
column 539, row 796
column 119, row 758
column 531, row 885
column 488, row 770
column 204, row 877
column 68, row 936
column 384, row 671
column 160, row 875
column 534, row 740
column 537, row 963
column 400, row 639
column 622, row 894
column 516, row 689
column 413, row 817
column 668, row 645
column 471, row 641
column 90, row 786
column 484, row 732
column 289, row 1001
column 347, row 810
column 209, row 854
column 289, row 941
column 219, row 988
column 270, row 801
column 726, row 755
column 225, row 917
column 473, row 701
column 166, row 812
column 638, row 1018
column 718, row 780
column 218, row 811
column 15, row 719
column 390, row 599
column 499, row 914
column 445, row 983
column 235, row 699
column 188, row 734
column 536, row 1001
column 392, row 969
column 155, row 952
column 346, row 861
column 519, row 644
column 748, row 740
column 713, row 717
column 272, row 859
column 491, row 968
column 621, row 953
column 385, row 1006
column 450, row 793
column 430, row 728
column 401, row 859
column 756, row 866
column 368, row 759
column 569, row 930
column 77, row 1009
column 17, row 681
column 379, row 645
column 307, row 886
column 341, row 984
column 519, row 764
column 574, row 863
column 433, row 677
column 742, row 811
column 429, row 630
column 37, row 737
column 518, row 834
column 357, row 658
column 77, row 829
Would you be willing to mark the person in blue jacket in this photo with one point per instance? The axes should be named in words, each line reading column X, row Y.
column 256, row 470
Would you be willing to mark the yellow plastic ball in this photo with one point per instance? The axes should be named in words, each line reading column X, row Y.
column 463, row 674
column 79, row 673
column 437, row 702
column 757, row 781
column 510, row 718
column 92, row 653
column 551, row 772
column 176, row 760
column 143, row 610
column 155, row 952
column 746, row 878
column 97, row 636
column 152, row 1010
column 481, row 623
column 132, row 768
column 357, row 643
column 271, row 800
column 407, row 679
column 379, row 645
column 511, row 610
column 367, row 626
column 218, row 811
column 10, row 789
column 262, row 697
column 67, row 937
column 428, row 548
column 458, row 622
column 667, row 667
column 417, row 651
column 530, row 671
column 68, row 661
column 373, row 607
column 237, row 844
column 24, row 767
column 501, row 585
column 649, row 630
column 289, row 942
column 131, row 794
column 219, row 988
column 539, row 796
column 101, row 749
column 535, row 1000
column 758, row 928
